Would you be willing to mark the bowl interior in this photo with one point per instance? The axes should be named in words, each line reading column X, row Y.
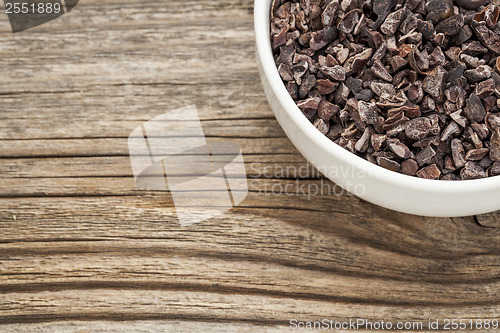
column 264, row 52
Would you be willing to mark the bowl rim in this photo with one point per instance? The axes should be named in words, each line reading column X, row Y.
column 262, row 10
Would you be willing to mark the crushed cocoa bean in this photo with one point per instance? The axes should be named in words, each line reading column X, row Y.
column 410, row 85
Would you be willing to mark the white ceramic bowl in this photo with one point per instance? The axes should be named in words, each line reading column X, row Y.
column 366, row 180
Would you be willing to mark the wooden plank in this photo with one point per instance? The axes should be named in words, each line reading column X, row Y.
column 80, row 147
column 204, row 306
column 159, row 266
column 141, row 326
column 308, row 235
column 59, row 118
column 101, row 86
column 119, row 166
column 118, row 186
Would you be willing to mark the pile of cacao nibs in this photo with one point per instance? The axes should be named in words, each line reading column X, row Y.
column 410, row 85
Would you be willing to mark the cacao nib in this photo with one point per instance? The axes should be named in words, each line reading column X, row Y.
column 411, row 85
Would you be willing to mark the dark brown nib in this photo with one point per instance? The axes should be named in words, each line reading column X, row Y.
column 471, row 4
column 382, row 8
column 410, row 85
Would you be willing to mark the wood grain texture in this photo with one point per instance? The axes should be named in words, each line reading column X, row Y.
column 82, row 249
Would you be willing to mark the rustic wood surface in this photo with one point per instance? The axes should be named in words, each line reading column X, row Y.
column 82, row 249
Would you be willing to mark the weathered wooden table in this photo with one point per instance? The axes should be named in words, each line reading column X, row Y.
column 83, row 249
